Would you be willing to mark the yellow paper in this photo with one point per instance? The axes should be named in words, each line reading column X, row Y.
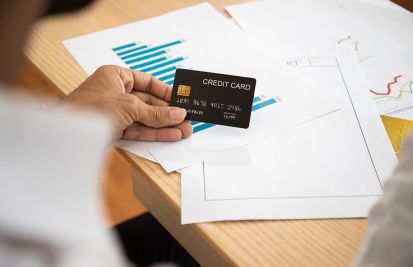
column 397, row 129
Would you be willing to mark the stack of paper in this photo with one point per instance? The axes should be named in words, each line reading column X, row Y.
column 316, row 147
column 159, row 51
column 380, row 34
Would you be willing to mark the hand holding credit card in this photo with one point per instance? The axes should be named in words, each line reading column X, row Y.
column 214, row 98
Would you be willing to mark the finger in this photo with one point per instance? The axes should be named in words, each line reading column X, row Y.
column 148, row 84
column 186, row 129
column 141, row 132
column 116, row 76
column 158, row 116
column 150, row 99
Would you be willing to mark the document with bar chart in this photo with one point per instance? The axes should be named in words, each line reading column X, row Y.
column 160, row 45
column 154, row 60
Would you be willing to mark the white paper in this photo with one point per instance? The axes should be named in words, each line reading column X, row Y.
column 380, row 37
column 137, row 148
column 213, row 44
column 397, row 25
column 331, row 167
column 390, row 75
column 300, row 105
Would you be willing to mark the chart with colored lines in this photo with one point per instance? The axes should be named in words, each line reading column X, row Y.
column 258, row 102
column 155, row 60
column 396, row 96
column 355, row 44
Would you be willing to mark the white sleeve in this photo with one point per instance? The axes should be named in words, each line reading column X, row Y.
column 389, row 239
column 50, row 203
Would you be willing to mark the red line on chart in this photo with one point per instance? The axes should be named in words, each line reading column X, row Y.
column 344, row 39
column 388, row 87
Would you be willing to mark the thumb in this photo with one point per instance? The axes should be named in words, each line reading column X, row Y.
column 160, row 116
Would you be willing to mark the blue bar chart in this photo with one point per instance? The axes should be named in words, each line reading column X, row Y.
column 123, row 47
column 154, row 60
column 258, row 102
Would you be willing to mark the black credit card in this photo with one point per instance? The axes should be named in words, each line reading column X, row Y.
column 213, row 97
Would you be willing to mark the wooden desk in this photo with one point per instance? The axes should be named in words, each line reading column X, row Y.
column 249, row 243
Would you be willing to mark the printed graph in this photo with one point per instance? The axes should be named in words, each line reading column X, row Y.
column 155, row 60
column 347, row 38
column 395, row 90
column 354, row 43
column 258, row 102
column 389, row 87
column 395, row 97
column 393, row 93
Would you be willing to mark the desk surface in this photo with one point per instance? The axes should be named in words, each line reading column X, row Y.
column 249, row 243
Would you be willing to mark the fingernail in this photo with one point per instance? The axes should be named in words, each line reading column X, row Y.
column 178, row 114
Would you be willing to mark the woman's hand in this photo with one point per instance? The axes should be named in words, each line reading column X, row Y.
column 137, row 103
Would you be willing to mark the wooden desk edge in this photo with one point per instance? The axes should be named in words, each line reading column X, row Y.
column 167, row 211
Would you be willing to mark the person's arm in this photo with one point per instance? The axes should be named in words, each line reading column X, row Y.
column 137, row 103
column 389, row 239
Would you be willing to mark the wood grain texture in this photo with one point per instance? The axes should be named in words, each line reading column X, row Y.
column 118, row 198
column 407, row 4
column 248, row 243
column 46, row 49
